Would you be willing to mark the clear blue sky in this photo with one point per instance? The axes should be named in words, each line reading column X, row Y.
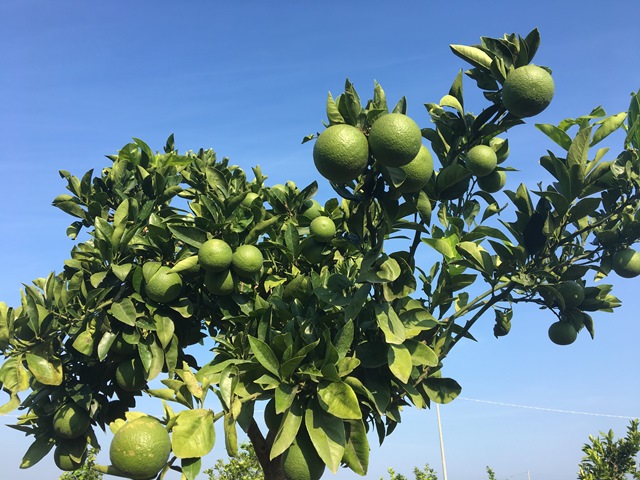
column 249, row 79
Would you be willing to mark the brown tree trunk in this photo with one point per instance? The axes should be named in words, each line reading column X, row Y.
column 272, row 468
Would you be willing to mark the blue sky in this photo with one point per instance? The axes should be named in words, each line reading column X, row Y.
column 79, row 79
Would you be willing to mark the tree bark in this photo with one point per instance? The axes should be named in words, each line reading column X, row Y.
column 272, row 468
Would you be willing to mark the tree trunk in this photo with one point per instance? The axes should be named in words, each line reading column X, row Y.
column 272, row 468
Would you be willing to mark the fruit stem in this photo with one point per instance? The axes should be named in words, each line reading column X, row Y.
column 477, row 302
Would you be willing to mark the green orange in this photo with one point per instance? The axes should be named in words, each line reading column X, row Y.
column 301, row 461
column 481, row 160
column 527, row 91
column 164, row 286
column 70, row 421
column 131, row 375
column 247, row 260
column 395, row 139
column 69, row 455
column 418, row 172
column 562, row 333
column 215, row 255
column 140, row 448
column 341, row 153
column 323, row 229
column 493, row 182
column 220, row 283
column 626, row 263
column 572, row 293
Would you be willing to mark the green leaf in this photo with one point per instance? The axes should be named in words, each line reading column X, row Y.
column 121, row 271
column 188, row 234
column 84, row 341
column 37, row 451
column 379, row 98
column 577, row 160
column 400, row 362
column 193, row 434
column 532, row 41
column 356, row 449
column 421, row 354
column 333, row 114
column 44, row 366
column 607, row 127
column 124, row 311
column 265, row 355
column 446, row 246
column 339, row 399
column 228, row 382
column 390, row 324
column 230, row 435
column 284, row 396
column 442, row 390
column 327, row 435
column 585, row 207
column 424, row 207
column 190, row 467
column 475, row 56
column 556, row 134
column 164, row 329
column 385, row 269
column 286, row 434
column 344, row 339
column 453, row 102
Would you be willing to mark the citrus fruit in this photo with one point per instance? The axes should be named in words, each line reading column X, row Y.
column 418, row 172
column 219, row 283
column 481, row 160
column 572, row 294
column 70, row 421
column 121, row 347
column 130, row 375
column 311, row 209
column 140, row 448
column 493, row 182
column 247, row 260
column 501, row 147
column 312, row 251
column 341, row 153
column 301, row 461
column 215, row 255
column 527, row 91
column 323, row 229
column 249, row 198
column 164, row 286
column 70, row 454
column 626, row 263
column 395, row 139
column 562, row 333
column 608, row 238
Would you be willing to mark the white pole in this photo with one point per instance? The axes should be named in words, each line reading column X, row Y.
column 444, row 462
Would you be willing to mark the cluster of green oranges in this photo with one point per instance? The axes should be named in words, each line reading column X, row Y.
column 342, row 152
column 322, row 230
column 482, row 161
column 70, row 426
column 223, row 265
column 564, row 331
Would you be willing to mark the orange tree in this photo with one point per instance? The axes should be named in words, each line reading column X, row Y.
column 330, row 325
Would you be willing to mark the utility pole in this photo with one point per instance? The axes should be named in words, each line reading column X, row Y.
column 444, row 462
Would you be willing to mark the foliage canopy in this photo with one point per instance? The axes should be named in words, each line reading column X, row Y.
column 367, row 329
